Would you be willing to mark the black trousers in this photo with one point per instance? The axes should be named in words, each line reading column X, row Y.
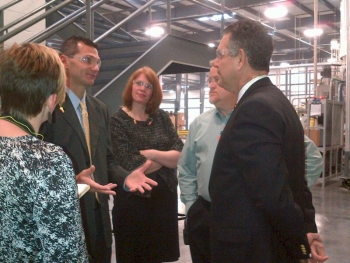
column 199, row 231
column 98, row 251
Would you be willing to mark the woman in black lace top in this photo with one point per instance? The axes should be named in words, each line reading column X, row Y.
column 145, row 225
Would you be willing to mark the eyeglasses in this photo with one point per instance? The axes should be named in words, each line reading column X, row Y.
column 141, row 83
column 213, row 79
column 220, row 53
column 91, row 61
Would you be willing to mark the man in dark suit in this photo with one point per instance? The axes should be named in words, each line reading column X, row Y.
column 80, row 58
column 261, row 208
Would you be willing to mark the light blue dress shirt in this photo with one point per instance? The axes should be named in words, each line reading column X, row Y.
column 75, row 101
column 197, row 155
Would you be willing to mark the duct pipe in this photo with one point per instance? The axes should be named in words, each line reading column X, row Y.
column 347, row 88
column 315, row 44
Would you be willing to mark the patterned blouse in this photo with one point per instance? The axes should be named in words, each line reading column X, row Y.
column 130, row 136
column 40, row 217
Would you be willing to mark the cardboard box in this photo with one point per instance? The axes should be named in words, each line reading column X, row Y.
column 181, row 122
column 315, row 136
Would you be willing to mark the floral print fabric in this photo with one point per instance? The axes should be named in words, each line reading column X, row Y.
column 40, row 217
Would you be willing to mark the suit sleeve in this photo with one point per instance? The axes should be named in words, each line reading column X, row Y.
column 116, row 173
column 265, row 172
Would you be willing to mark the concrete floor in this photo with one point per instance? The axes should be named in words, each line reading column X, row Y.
column 332, row 205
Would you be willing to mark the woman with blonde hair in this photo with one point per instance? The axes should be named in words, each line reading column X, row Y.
column 39, row 210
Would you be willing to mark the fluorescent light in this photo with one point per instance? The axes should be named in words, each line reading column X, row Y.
column 218, row 17
column 313, row 32
column 155, row 31
column 284, row 64
column 204, row 18
column 211, row 44
column 276, row 12
column 334, row 44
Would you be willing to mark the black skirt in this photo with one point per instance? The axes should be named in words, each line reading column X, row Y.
column 146, row 229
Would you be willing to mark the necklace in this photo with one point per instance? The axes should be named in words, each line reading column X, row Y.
column 149, row 121
column 131, row 115
column 21, row 123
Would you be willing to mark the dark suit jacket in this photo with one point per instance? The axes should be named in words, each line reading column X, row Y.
column 257, row 183
column 67, row 132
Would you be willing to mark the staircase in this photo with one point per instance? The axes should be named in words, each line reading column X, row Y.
column 122, row 54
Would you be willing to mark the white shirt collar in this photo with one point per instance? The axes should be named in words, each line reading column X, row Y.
column 248, row 84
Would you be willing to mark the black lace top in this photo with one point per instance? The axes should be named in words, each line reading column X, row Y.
column 130, row 136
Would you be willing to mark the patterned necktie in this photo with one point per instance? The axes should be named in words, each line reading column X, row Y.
column 86, row 126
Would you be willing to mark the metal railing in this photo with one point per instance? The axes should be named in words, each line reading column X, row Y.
column 5, row 28
column 86, row 10
column 51, row 30
column 2, row 8
column 32, row 21
column 117, row 26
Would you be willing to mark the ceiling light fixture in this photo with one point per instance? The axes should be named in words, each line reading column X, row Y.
column 155, row 31
column 313, row 32
column 211, row 45
column 334, row 44
column 218, row 17
column 276, row 12
column 204, row 18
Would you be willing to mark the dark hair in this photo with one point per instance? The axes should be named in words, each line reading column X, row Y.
column 253, row 38
column 69, row 46
column 29, row 74
column 157, row 94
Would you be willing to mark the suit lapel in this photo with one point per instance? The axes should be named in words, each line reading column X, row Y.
column 93, row 119
column 71, row 117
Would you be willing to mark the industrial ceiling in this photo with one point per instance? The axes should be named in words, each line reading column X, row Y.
column 189, row 19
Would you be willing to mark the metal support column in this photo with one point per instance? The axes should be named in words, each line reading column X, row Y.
column 177, row 99
column 202, row 84
column 347, row 94
column 186, row 101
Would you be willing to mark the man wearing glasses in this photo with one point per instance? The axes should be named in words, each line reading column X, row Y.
column 195, row 163
column 261, row 208
column 81, row 127
column 196, row 160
